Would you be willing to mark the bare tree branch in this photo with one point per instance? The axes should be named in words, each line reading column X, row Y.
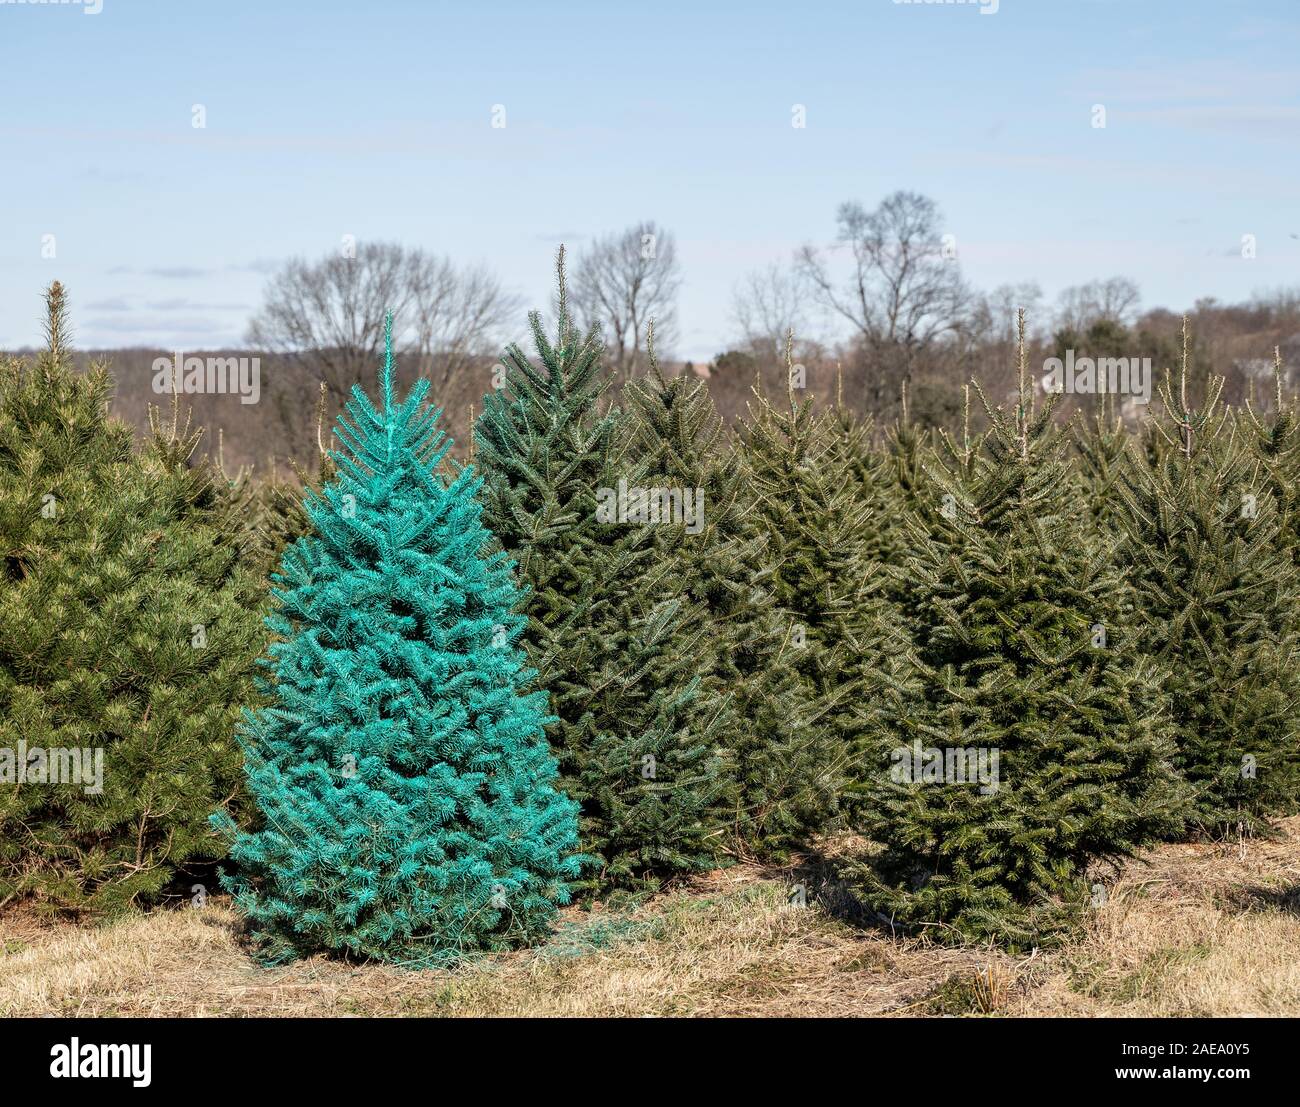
column 458, row 316
column 1080, row 306
column 904, row 292
column 767, row 304
column 333, row 310
column 622, row 282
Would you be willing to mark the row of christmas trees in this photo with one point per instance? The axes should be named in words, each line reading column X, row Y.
column 812, row 634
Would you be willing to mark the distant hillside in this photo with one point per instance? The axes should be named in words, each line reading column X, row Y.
column 1235, row 340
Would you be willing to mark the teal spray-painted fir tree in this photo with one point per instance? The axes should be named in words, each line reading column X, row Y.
column 407, row 795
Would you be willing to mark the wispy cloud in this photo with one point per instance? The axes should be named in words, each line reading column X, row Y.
column 179, row 272
column 183, row 304
column 175, row 303
column 163, row 331
column 1267, row 121
column 143, row 325
column 108, row 176
column 1203, row 82
column 257, row 265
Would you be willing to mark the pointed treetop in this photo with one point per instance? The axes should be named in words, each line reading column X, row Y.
column 321, row 450
column 1025, row 408
column 1282, row 408
column 789, row 365
column 56, row 326
column 1182, row 369
column 1277, row 378
column 1191, row 421
column 561, row 299
column 386, row 382
column 652, row 355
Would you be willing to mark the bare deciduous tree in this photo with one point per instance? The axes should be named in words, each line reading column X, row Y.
column 767, row 304
column 1080, row 306
column 333, row 310
column 904, row 292
column 624, row 280
column 457, row 315
column 998, row 310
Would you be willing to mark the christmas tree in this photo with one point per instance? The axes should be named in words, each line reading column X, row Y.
column 1029, row 736
column 1104, row 445
column 853, row 438
column 127, row 637
column 684, row 445
column 611, row 631
column 821, row 532
column 1218, row 599
column 908, row 450
column 907, row 446
column 406, row 799
column 1274, row 437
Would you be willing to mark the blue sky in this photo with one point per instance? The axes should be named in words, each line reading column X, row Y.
column 374, row 119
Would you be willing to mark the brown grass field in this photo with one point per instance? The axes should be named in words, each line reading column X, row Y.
column 1187, row 930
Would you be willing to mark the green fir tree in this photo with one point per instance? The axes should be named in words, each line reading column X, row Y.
column 611, row 629
column 821, row 533
column 1103, row 443
column 1029, row 736
column 854, row 437
column 128, row 632
column 1274, row 437
column 745, row 658
column 1218, row 600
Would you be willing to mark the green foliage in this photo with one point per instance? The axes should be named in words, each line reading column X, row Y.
column 724, row 563
column 1274, row 439
column 406, row 795
column 820, row 525
column 906, row 446
column 905, row 452
column 853, row 442
column 1103, row 444
column 1022, row 647
column 1205, row 515
column 127, row 632
column 611, row 629
column 1114, row 615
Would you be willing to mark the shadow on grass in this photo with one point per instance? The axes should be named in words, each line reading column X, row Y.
column 1259, row 897
column 817, row 877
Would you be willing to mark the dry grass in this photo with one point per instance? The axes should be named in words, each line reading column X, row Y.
column 1199, row 930
column 1195, row 930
